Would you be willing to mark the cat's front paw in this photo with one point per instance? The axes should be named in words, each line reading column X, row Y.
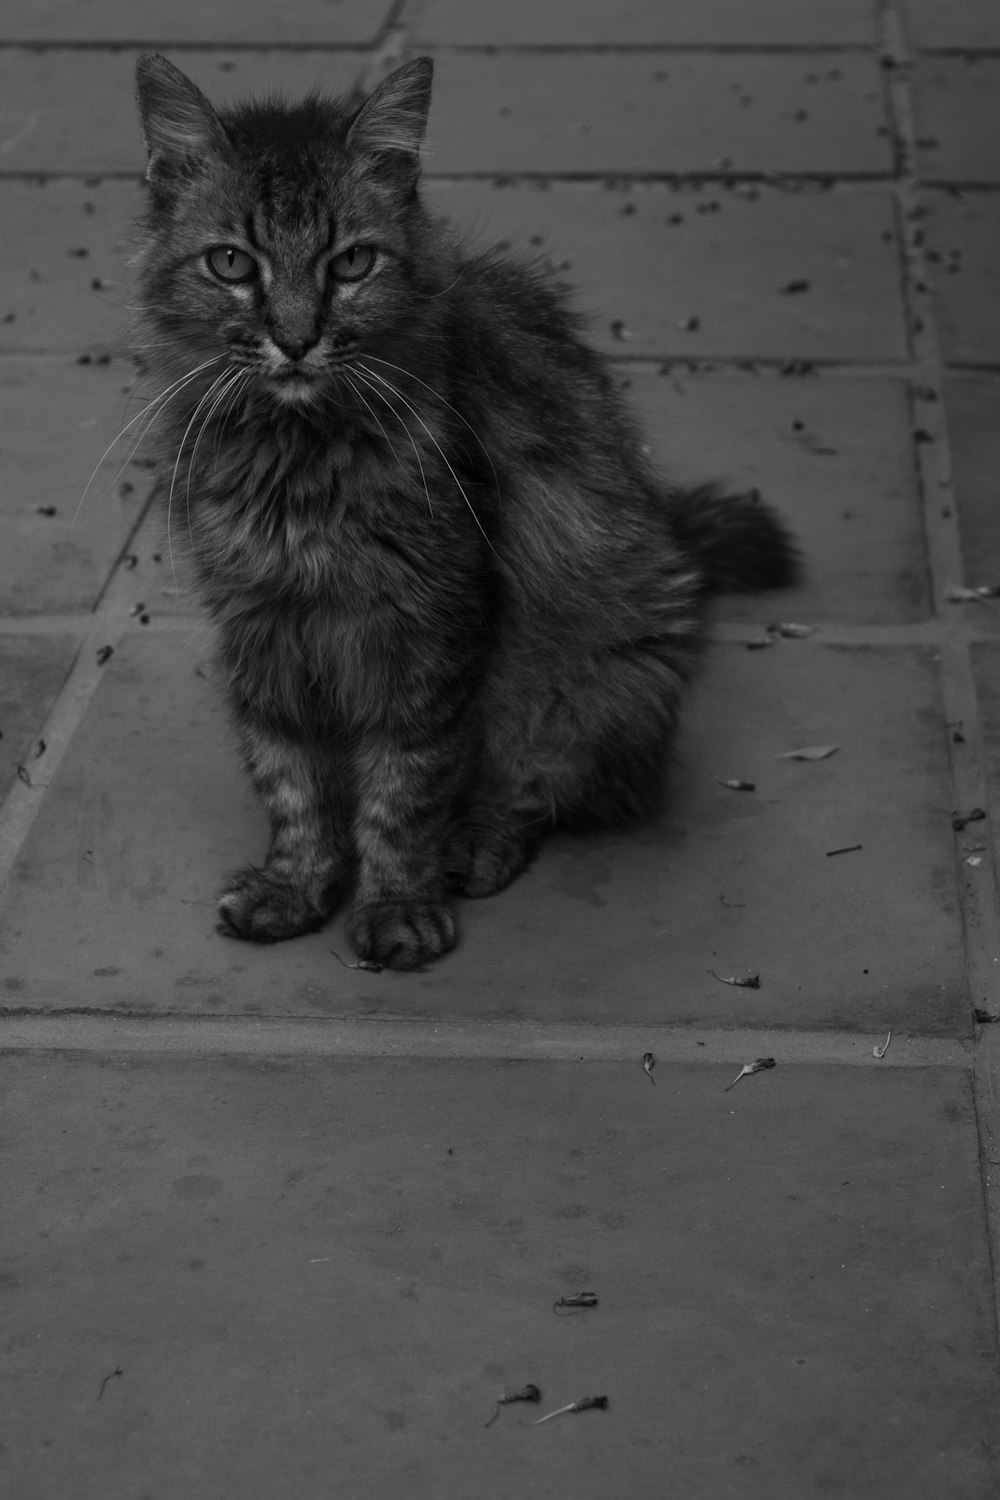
column 263, row 908
column 402, row 934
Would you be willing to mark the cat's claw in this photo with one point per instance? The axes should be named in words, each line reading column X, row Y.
column 264, row 909
column 402, row 934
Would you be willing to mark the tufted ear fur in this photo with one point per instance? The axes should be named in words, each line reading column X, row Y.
column 179, row 125
column 392, row 121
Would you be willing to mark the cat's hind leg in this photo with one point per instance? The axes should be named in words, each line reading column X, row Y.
column 310, row 857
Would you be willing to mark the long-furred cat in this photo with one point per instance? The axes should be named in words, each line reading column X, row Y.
column 455, row 605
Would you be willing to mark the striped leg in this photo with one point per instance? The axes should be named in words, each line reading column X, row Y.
column 305, row 791
column 401, row 915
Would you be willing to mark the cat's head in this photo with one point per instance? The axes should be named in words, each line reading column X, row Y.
column 279, row 239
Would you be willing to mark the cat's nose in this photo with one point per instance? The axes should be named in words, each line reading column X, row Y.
column 293, row 348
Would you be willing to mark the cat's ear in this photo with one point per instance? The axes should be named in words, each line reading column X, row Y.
column 179, row 125
column 392, row 121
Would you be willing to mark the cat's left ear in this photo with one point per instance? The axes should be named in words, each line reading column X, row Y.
column 179, row 125
column 392, row 121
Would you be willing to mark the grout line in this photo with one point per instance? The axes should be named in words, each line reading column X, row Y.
column 976, row 883
column 468, row 1041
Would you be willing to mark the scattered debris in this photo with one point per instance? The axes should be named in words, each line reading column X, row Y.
column 735, row 784
column 748, row 1068
column 116, row 1371
column 578, row 1299
column 620, row 331
column 809, row 752
column 760, row 643
column 23, row 774
column 957, row 593
column 881, row 1051
column 649, row 1063
column 844, row 849
column 739, row 905
column 369, row 965
column 105, row 653
column 751, row 982
column 39, row 750
column 790, row 630
column 527, row 1393
column 960, row 820
column 583, row 1404
column 689, row 325
column 793, row 288
column 986, row 1017
column 46, row 510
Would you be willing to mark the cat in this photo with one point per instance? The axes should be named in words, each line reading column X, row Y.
column 455, row 606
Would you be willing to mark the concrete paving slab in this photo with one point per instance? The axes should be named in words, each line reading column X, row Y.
column 973, row 23
column 588, row 23
column 32, row 671
column 67, row 110
column 974, row 433
column 165, row 21
column 150, row 809
column 709, row 271
column 834, row 455
column 53, row 297
column 958, row 145
column 231, row 1278
column 63, row 537
column 963, row 228
column 648, row 112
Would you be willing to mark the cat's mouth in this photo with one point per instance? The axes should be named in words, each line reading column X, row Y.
column 293, row 387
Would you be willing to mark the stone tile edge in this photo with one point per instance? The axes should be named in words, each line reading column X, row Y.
column 221, row 1037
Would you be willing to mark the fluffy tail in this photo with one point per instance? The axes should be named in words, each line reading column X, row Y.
column 739, row 542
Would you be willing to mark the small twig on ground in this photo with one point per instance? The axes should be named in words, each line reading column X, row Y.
column 844, row 849
column 116, row 1371
column 649, row 1063
column 748, row 1068
column 881, row 1051
column 583, row 1404
column 579, row 1299
column 527, row 1393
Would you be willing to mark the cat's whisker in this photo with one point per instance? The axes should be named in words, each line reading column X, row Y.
column 152, row 409
column 409, row 434
column 410, row 376
column 447, row 463
column 226, row 381
column 199, row 406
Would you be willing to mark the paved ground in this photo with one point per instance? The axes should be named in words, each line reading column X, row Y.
column 273, row 1226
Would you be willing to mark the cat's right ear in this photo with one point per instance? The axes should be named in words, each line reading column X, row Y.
column 390, row 125
column 179, row 125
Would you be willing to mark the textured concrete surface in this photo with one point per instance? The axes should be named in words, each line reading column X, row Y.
column 275, row 1225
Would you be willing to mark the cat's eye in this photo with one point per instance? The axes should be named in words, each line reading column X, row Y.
column 231, row 264
column 353, row 263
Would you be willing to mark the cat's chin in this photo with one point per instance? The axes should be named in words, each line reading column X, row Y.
column 294, row 391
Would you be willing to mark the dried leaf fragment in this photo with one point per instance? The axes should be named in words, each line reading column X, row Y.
column 755, row 1067
column 750, row 982
column 649, row 1063
column 368, row 964
column 577, row 1299
column 526, row 1393
column 809, row 752
column 736, row 784
column 986, row 1017
column 958, row 593
column 583, row 1404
